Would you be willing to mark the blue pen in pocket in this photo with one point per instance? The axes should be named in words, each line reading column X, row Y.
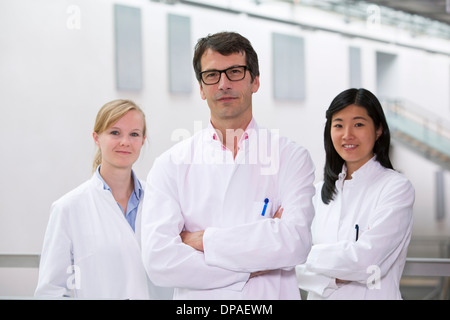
column 266, row 201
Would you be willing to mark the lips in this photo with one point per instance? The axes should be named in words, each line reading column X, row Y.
column 225, row 96
column 123, row 152
column 349, row 146
column 226, row 99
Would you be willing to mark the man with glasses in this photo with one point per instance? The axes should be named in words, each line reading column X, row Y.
column 227, row 212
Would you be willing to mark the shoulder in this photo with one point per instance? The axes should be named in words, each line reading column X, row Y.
column 77, row 195
column 64, row 210
column 290, row 155
column 289, row 159
column 292, row 152
column 393, row 177
column 168, row 163
column 392, row 184
column 285, row 145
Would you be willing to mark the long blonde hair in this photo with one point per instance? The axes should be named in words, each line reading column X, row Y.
column 109, row 114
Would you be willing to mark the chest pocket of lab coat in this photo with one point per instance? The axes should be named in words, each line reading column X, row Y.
column 258, row 207
column 362, row 228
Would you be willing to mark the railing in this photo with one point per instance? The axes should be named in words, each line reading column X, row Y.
column 414, row 267
column 428, row 276
column 430, row 267
column 19, row 260
column 427, row 267
column 419, row 129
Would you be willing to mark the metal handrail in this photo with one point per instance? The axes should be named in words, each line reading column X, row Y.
column 414, row 267
column 19, row 260
column 427, row 267
column 436, row 267
column 422, row 116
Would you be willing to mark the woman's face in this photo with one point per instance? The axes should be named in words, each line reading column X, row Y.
column 121, row 143
column 353, row 134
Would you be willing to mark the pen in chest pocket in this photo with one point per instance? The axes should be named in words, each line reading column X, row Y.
column 357, row 232
column 266, row 201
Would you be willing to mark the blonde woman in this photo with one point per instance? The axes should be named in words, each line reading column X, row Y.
column 91, row 247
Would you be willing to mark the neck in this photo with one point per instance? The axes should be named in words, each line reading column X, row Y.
column 352, row 167
column 230, row 132
column 119, row 180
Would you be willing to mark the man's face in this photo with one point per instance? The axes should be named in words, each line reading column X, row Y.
column 228, row 100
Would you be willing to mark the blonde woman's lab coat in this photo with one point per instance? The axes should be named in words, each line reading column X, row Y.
column 380, row 202
column 197, row 185
column 90, row 250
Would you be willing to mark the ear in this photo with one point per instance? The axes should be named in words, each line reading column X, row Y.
column 255, row 84
column 202, row 93
column 379, row 131
column 95, row 136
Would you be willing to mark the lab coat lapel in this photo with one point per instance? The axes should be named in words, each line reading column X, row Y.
column 247, row 155
column 108, row 201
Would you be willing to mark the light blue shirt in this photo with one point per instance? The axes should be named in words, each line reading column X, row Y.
column 133, row 202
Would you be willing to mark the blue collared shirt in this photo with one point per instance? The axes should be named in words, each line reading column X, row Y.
column 133, row 202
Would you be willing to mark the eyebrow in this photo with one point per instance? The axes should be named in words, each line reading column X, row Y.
column 355, row 118
column 117, row 128
column 233, row 66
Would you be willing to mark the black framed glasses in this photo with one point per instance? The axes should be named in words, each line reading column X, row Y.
column 234, row 73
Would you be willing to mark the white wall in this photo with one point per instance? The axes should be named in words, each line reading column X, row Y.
column 53, row 80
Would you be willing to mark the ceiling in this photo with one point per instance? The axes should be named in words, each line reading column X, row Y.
column 433, row 9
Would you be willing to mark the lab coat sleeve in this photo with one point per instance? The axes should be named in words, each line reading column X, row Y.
column 269, row 244
column 56, row 258
column 168, row 261
column 379, row 246
column 320, row 284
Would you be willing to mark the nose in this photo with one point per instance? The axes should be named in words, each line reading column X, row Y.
column 125, row 141
column 224, row 82
column 348, row 133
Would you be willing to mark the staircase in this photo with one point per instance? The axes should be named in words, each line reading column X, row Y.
column 421, row 131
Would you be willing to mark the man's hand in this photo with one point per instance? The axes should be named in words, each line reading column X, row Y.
column 279, row 213
column 193, row 239
column 341, row 282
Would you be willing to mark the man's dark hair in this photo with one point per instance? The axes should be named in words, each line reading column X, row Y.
column 226, row 43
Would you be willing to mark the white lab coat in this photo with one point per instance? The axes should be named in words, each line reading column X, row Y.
column 90, row 250
column 196, row 185
column 378, row 200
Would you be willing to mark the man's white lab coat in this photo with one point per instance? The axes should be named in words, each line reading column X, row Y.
column 196, row 185
column 378, row 200
column 90, row 250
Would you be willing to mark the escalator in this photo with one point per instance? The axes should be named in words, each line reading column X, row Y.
column 421, row 131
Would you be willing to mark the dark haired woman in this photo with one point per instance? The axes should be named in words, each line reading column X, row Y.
column 363, row 220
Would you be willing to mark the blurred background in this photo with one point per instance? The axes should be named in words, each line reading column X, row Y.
column 61, row 60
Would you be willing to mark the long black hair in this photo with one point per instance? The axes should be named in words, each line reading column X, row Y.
column 333, row 161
